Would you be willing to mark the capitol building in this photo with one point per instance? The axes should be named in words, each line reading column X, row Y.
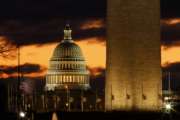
column 67, row 69
column 67, row 83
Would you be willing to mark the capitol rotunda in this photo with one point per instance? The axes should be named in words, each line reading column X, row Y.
column 67, row 67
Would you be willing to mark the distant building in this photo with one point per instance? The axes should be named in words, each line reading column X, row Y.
column 67, row 67
column 67, row 84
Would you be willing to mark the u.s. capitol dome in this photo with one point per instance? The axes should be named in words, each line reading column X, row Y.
column 67, row 67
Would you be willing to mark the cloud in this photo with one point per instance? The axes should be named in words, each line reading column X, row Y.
column 170, row 22
column 26, row 69
column 40, row 22
column 7, row 50
column 172, row 67
column 39, row 32
column 99, row 23
column 95, row 71
column 170, row 32
column 30, row 70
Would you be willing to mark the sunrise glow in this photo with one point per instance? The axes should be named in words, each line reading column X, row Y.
column 93, row 51
column 170, row 55
column 171, row 21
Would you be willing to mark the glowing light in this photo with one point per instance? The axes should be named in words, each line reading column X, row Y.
column 92, row 24
column 66, row 86
column 166, row 98
column 54, row 116
column 22, row 114
column 67, row 104
column 172, row 21
column 168, row 106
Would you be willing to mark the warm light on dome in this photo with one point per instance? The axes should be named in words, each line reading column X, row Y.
column 67, row 66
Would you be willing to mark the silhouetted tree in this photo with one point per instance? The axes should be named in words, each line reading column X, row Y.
column 7, row 50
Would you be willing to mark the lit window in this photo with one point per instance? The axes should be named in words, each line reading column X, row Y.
column 64, row 77
column 78, row 79
column 70, row 78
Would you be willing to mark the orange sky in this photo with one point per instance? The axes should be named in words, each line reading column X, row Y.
column 93, row 51
column 170, row 55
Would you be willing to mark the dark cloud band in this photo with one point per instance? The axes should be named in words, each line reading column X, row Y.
column 47, row 31
column 170, row 33
column 24, row 69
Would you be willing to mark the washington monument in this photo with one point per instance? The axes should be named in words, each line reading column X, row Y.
column 133, row 79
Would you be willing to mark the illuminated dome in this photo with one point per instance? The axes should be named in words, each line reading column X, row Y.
column 67, row 50
column 67, row 67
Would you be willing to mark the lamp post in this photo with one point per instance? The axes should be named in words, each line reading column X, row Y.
column 20, row 104
column 168, row 106
column 21, row 113
column 67, row 97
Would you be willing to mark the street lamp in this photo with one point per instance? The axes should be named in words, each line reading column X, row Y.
column 166, row 98
column 168, row 106
column 22, row 114
column 67, row 104
column 68, row 96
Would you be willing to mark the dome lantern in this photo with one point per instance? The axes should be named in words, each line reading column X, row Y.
column 67, row 32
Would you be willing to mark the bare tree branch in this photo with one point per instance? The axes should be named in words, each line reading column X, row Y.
column 7, row 50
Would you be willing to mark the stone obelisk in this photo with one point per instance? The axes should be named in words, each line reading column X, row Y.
column 133, row 78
